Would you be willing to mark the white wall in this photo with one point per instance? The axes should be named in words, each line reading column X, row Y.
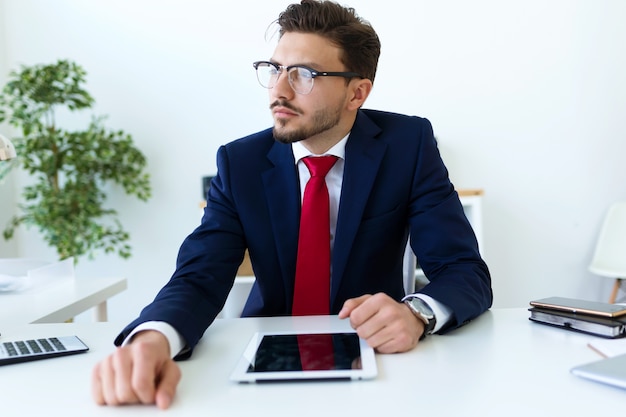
column 526, row 98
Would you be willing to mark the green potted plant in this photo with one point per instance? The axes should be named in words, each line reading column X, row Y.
column 69, row 169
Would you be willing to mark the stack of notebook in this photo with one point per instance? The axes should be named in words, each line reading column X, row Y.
column 591, row 317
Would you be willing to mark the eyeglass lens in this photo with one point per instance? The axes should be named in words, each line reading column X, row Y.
column 300, row 79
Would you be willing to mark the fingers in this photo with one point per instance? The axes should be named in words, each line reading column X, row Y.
column 139, row 373
column 106, row 388
column 136, row 378
column 396, row 337
column 387, row 325
column 362, row 309
column 113, row 382
column 351, row 304
column 97, row 391
column 167, row 385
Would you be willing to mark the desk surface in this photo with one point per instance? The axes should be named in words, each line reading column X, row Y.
column 58, row 301
column 499, row 365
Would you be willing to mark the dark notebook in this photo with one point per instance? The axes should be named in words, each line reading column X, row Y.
column 594, row 325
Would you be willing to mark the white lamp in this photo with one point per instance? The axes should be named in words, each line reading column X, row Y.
column 7, row 150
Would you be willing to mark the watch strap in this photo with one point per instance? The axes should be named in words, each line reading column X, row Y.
column 429, row 322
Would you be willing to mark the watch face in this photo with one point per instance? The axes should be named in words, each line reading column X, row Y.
column 422, row 308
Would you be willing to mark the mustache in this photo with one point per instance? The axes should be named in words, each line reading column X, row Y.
column 285, row 104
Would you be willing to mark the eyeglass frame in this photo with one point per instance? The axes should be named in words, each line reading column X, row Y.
column 314, row 73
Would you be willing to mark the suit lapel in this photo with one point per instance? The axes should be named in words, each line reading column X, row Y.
column 282, row 191
column 363, row 157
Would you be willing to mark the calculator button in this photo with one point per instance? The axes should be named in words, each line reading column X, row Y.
column 21, row 346
column 57, row 344
column 11, row 351
column 34, row 347
column 45, row 345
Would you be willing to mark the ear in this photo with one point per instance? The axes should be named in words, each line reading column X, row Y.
column 360, row 89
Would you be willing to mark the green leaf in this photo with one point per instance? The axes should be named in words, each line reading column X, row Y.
column 69, row 168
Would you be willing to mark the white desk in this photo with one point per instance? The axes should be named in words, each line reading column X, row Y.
column 59, row 301
column 499, row 365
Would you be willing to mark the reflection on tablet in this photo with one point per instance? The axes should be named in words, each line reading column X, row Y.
column 307, row 352
column 291, row 356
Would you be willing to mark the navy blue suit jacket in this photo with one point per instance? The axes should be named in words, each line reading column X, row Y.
column 394, row 184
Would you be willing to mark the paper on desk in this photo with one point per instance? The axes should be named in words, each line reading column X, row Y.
column 19, row 267
column 23, row 274
column 10, row 283
column 608, row 347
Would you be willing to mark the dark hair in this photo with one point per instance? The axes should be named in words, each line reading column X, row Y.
column 342, row 26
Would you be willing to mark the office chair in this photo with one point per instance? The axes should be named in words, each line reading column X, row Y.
column 409, row 265
column 609, row 258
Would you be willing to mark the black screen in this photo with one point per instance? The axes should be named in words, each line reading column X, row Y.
column 307, row 352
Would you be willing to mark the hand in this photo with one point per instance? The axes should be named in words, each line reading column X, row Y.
column 140, row 372
column 387, row 325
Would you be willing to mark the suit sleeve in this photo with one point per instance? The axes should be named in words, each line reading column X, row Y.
column 444, row 241
column 205, row 268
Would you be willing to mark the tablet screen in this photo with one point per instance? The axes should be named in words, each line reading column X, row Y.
column 307, row 352
column 291, row 356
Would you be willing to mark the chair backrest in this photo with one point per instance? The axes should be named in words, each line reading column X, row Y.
column 237, row 298
column 409, row 264
column 609, row 258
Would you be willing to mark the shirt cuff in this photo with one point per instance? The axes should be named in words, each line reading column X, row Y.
column 442, row 312
column 175, row 340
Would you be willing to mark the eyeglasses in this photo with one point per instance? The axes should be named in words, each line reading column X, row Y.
column 301, row 78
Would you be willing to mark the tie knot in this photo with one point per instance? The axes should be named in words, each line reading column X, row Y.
column 319, row 165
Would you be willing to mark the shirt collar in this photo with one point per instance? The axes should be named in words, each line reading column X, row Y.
column 339, row 150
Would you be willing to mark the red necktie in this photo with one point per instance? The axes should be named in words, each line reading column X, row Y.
column 312, row 286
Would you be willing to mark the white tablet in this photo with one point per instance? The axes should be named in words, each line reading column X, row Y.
column 611, row 371
column 305, row 356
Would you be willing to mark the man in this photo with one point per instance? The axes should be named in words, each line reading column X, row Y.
column 385, row 181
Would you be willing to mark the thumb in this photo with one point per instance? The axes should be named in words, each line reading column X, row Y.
column 166, row 388
column 350, row 304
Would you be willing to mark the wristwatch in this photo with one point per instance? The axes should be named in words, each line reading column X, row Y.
column 422, row 311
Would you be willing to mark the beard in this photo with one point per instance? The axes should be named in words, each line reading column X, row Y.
column 322, row 120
